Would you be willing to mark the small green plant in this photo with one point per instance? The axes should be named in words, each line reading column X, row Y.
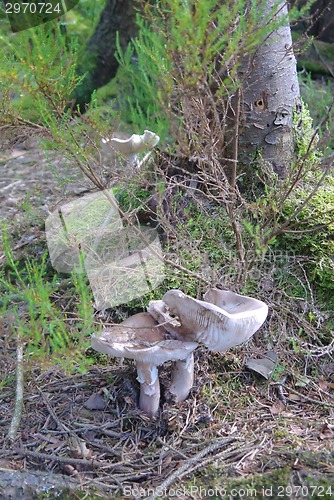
column 306, row 138
column 38, row 71
column 142, row 100
column 278, row 372
column 132, row 197
column 319, row 98
column 45, row 329
column 183, row 50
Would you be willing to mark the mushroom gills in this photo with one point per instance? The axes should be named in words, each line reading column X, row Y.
column 217, row 328
column 141, row 339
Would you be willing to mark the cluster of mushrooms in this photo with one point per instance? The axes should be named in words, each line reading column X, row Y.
column 172, row 329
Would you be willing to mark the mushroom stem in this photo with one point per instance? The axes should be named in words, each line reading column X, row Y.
column 183, row 378
column 149, row 396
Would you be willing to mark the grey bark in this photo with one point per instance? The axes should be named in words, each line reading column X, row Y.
column 33, row 485
column 270, row 96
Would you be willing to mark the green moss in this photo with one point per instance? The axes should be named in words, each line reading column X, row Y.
column 318, row 95
column 283, row 482
column 108, row 92
column 312, row 66
column 132, row 197
column 314, row 240
column 305, row 138
column 317, row 57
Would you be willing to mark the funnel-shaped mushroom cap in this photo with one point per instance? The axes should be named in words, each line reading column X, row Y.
column 134, row 144
column 234, row 303
column 218, row 328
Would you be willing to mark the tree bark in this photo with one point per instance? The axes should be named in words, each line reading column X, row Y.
column 270, row 95
column 34, row 485
column 99, row 58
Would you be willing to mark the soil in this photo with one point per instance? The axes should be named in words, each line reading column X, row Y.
column 238, row 434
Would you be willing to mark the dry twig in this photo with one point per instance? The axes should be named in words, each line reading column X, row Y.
column 15, row 423
column 187, row 466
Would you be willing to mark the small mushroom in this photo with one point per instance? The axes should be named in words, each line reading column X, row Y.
column 224, row 320
column 135, row 144
column 141, row 339
column 129, row 148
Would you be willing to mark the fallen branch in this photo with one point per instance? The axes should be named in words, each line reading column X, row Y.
column 15, row 423
column 311, row 400
column 188, row 466
column 55, row 458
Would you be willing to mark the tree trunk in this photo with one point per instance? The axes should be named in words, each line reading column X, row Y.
column 270, row 95
column 99, row 58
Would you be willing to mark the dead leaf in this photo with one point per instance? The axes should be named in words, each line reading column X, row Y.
column 294, row 397
column 16, row 153
column 323, row 385
column 167, row 460
column 287, row 414
column 262, row 366
column 70, row 470
column 128, row 400
column 95, row 402
column 277, row 408
column 80, row 450
column 89, row 435
column 53, row 446
column 297, row 431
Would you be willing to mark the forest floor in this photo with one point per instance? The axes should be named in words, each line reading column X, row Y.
column 238, row 435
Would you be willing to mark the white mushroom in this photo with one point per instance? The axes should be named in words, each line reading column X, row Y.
column 224, row 320
column 182, row 378
column 141, row 339
column 129, row 148
column 135, row 144
column 248, row 313
column 159, row 311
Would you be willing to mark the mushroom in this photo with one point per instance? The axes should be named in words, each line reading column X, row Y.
column 248, row 313
column 159, row 311
column 182, row 378
column 183, row 372
column 140, row 338
column 224, row 320
column 129, row 148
